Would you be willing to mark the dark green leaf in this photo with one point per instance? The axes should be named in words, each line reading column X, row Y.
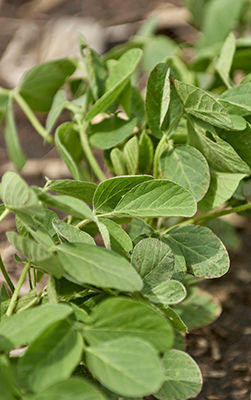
column 145, row 153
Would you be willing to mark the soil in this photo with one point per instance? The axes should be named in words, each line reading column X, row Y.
column 223, row 348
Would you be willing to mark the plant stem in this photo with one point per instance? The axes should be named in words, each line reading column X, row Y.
column 88, row 151
column 17, row 290
column 212, row 215
column 32, row 118
column 82, row 223
column 6, row 275
column 4, row 214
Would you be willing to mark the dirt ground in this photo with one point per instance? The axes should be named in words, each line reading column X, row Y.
column 223, row 349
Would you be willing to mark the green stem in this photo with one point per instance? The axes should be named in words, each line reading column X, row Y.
column 157, row 156
column 88, row 152
column 4, row 214
column 209, row 216
column 82, row 223
column 6, row 275
column 32, row 118
column 14, row 298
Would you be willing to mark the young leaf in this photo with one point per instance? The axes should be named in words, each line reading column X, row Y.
column 68, row 144
column 111, row 132
column 237, row 99
column 116, row 82
column 157, row 98
column 157, row 198
column 154, row 261
column 183, row 379
column 145, row 153
column 57, row 107
column 223, row 65
column 67, row 204
column 75, row 388
column 167, row 292
column 109, row 192
column 156, row 49
column 51, row 358
column 23, row 328
column 118, row 162
column 127, row 366
column 174, row 318
column 17, row 195
column 71, row 233
column 13, row 146
column 127, row 317
column 74, row 188
column 197, row 250
column 222, row 187
column 86, row 264
column 187, row 167
column 40, row 84
column 120, row 240
column 199, row 309
column 131, row 155
column 202, row 105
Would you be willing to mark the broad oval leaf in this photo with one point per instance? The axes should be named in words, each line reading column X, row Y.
column 111, row 132
column 22, row 328
column 238, row 98
column 157, row 198
column 127, row 366
column 198, row 250
column 183, row 379
column 74, row 188
column 86, row 264
column 157, row 98
column 51, row 358
column 121, row 316
column 71, row 233
column 72, row 388
column 116, row 82
column 120, row 240
column 40, row 83
column 109, row 192
column 186, row 166
column 154, row 261
column 168, row 292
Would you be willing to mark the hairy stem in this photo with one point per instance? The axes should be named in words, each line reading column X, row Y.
column 6, row 275
column 14, row 298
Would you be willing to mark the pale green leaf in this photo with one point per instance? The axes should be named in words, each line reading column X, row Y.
column 238, row 99
column 71, row 233
column 167, row 292
column 79, row 189
column 118, row 162
column 145, row 153
column 57, row 107
column 131, row 155
column 156, row 49
column 119, row 238
column 224, row 63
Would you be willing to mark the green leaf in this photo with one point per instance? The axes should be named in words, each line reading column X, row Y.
column 183, row 379
column 199, row 309
column 7, row 380
column 111, row 132
column 179, row 70
column 131, row 155
column 72, row 388
column 187, row 167
column 4, row 100
column 57, row 107
column 51, row 358
column 74, row 188
column 174, row 318
column 224, row 63
column 237, row 99
column 157, row 198
column 71, row 233
column 86, row 264
column 13, row 146
column 154, row 261
column 156, row 49
column 121, row 316
column 17, row 195
column 139, row 229
column 145, row 153
column 116, row 82
column 40, row 84
column 168, row 292
column 23, row 328
column 220, row 155
column 118, row 162
column 198, row 251
column 241, row 142
column 70, row 205
column 157, row 98
column 202, row 105
column 36, row 253
column 222, row 187
column 68, row 144
column 220, row 19
column 109, row 192
column 127, row 366
column 120, row 240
